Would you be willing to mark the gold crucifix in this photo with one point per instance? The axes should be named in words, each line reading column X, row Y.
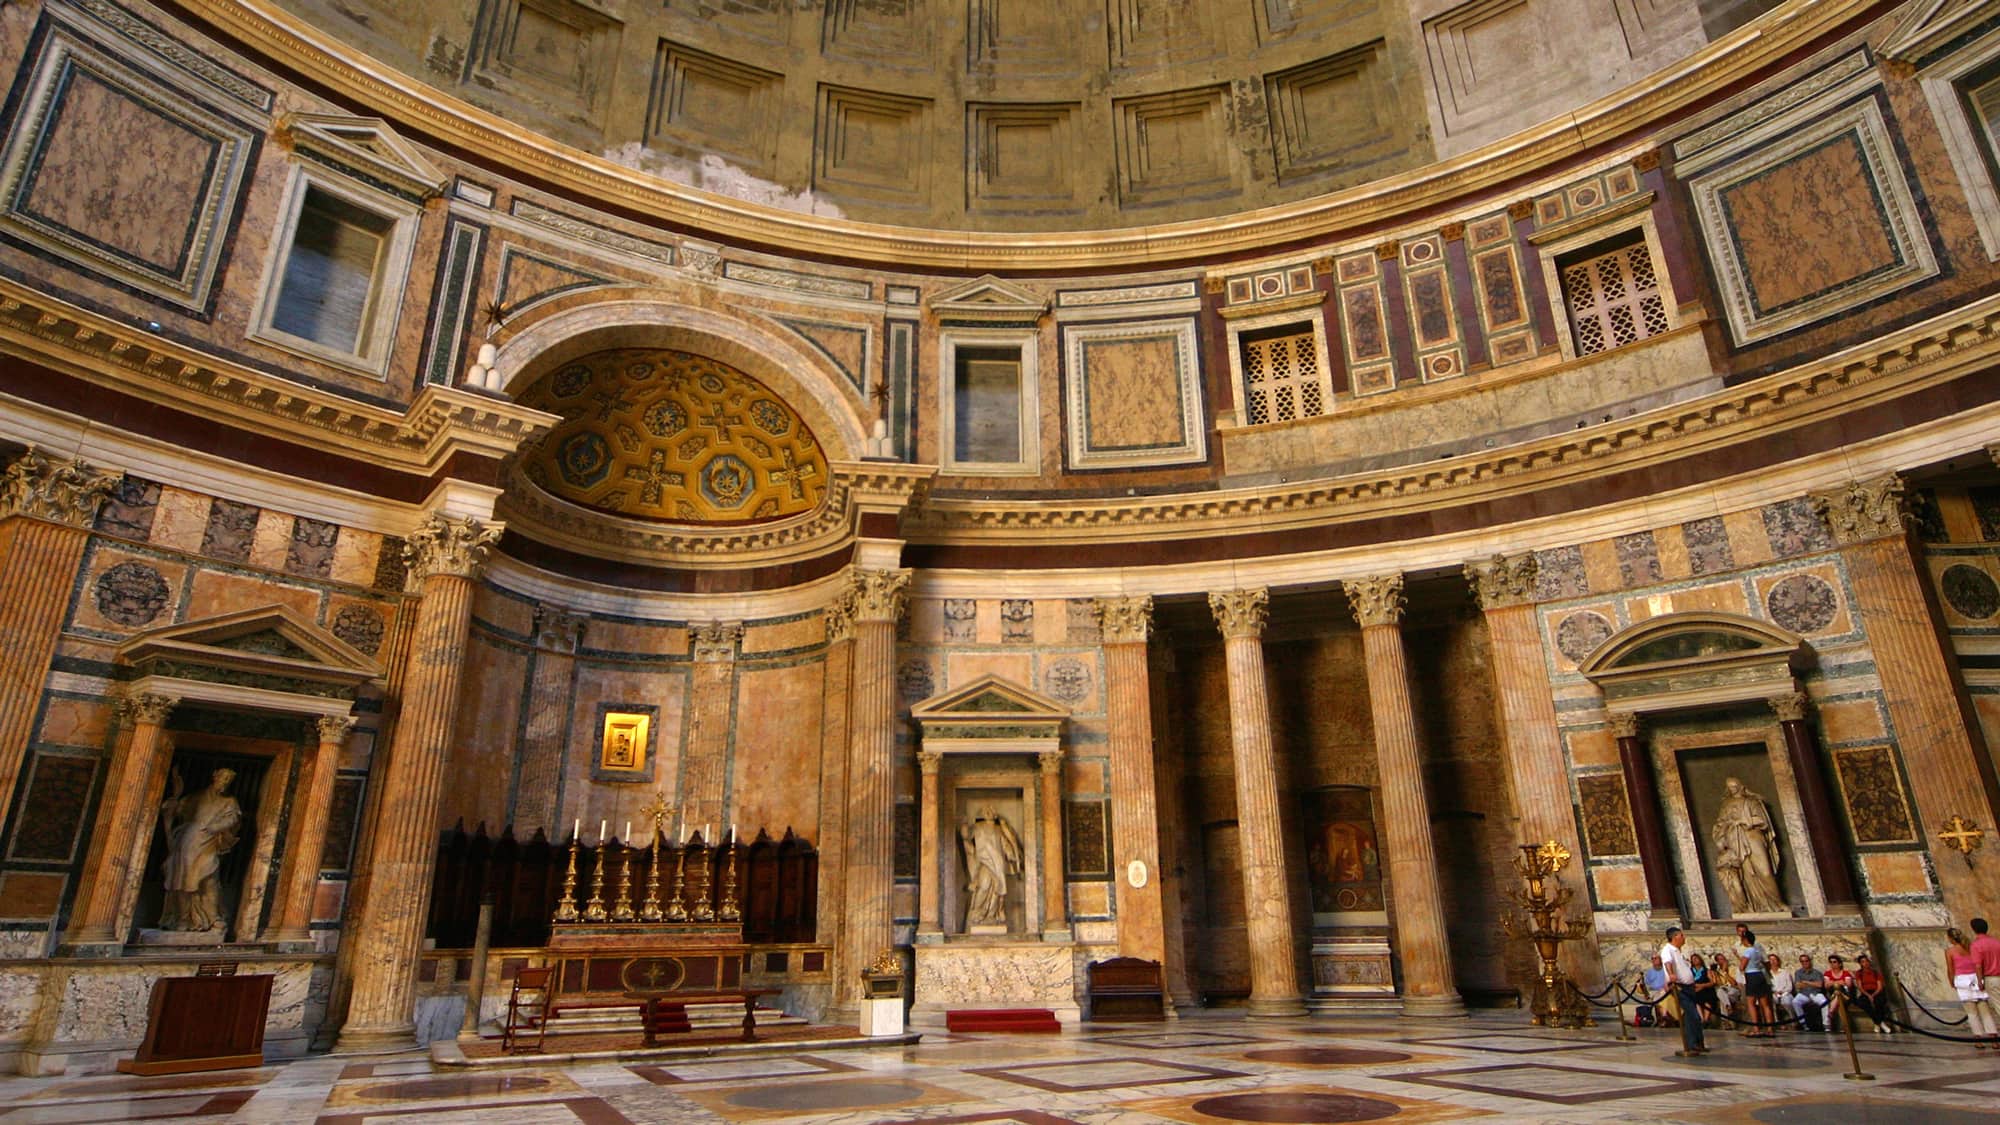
column 657, row 810
column 1963, row 836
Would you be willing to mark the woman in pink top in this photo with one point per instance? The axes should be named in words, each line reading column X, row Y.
column 1962, row 966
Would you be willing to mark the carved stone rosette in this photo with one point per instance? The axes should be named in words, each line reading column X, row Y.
column 879, row 595
column 1376, row 601
column 1124, row 620
column 65, row 492
column 1864, row 509
column 444, row 546
column 715, row 642
column 1504, row 580
column 144, row 708
column 1240, row 613
column 1790, row 708
column 335, row 728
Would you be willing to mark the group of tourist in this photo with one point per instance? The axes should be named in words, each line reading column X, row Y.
column 1694, row 992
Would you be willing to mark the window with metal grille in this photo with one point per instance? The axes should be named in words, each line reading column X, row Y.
column 1613, row 296
column 1983, row 94
column 1282, row 379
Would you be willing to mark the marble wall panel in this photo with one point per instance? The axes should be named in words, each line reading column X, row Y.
column 216, row 592
column 1133, row 394
column 75, row 721
column 1607, row 815
column 49, row 825
column 601, row 684
column 365, row 624
column 271, row 542
column 124, row 591
column 180, row 522
column 129, row 510
column 29, row 895
column 1895, row 873
column 1871, row 783
column 481, row 771
column 775, row 771
column 1810, row 602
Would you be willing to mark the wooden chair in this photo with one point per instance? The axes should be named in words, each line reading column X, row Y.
column 528, row 1009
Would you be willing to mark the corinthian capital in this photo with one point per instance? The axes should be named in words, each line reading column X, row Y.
column 715, row 641
column 144, row 707
column 1861, row 510
column 1240, row 613
column 1503, row 580
column 1376, row 601
column 66, row 492
column 879, row 595
column 1124, row 620
column 444, row 546
column 840, row 616
column 335, row 728
column 1789, row 707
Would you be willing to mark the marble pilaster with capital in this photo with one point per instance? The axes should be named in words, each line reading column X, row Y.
column 878, row 597
column 1135, row 834
column 305, row 839
column 711, row 699
column 116, row 858
column 835, row 747
column 1055, row 912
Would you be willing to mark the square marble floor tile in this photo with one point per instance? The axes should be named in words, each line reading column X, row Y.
column 739, row 1070
column 1089, row 1075
column 566, row 1111
column 159, row 1107
column 1560, row 1085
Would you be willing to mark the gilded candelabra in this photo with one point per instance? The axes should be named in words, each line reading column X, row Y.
column 566, row 909
column 1545, row 902
column 677, row 910
column 704, row 910
column 593, row 911
column 729, row 911
column 622, row 910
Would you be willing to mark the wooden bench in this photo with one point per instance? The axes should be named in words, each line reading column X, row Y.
column 1127, row 988
column 665, row 1012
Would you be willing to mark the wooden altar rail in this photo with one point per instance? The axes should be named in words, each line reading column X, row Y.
column 777, row 883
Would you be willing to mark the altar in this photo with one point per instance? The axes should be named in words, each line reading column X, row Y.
column 992, row 924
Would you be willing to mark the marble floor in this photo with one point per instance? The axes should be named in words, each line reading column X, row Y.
column 1205, row 1070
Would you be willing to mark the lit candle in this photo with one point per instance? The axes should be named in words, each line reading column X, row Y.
column 704, row 831
column 628, row 831
column 576, row 830
column 600, row 831
column 732, row 830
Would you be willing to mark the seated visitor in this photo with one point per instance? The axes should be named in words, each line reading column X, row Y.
column 1781, row 985
column 1871, row 995
column 1809, row 995
column 1839, row 989
column 1727, row 988
column 1657, row 993
column 1703, row 989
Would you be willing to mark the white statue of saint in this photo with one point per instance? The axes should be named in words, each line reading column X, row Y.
column 1746, row 852
column 201, row 828
column 992, row 853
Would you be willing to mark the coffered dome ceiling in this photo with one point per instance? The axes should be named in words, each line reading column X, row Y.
column 665, row 435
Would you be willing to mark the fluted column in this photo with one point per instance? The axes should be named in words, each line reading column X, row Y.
column 46, row 508
column 1125, row 624
column 1943, row 747
column 879, row 597
column 1274, row 975
column 930, row 919
column 834, row 749
column 1413, row 879
column 545, row 735
column 711, row 694
column 1055, row 911
column 120, row 837
column 445, row 555
column 1815, row 799
column 1643, row 796
column 306, row 838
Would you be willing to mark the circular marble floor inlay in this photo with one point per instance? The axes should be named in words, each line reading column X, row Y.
column 465, row 1087
column 1297, row 1109
column 826, row 1095
column 1327, row 1056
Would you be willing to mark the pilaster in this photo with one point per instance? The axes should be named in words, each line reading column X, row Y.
column 711, row 704
column 298, row 876
column 119, row 839
column 1124, row 624
column 545, row 735
column 879, row 597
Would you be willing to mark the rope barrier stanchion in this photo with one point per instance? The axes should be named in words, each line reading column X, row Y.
column 1912, row 998
column 1853, row 1052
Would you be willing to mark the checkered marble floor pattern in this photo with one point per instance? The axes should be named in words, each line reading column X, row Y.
column 1208, row 1069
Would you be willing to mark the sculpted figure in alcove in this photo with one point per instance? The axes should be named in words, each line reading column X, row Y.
column 201, row 828
column 1746, row 852
column 992, row 853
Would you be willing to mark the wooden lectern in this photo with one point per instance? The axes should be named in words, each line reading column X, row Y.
column 203, row 1023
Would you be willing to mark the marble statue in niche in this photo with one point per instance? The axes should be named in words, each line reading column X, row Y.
column 1746, row 857
column 200, row 829
column 992, row 851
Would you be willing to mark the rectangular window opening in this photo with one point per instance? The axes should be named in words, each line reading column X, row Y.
column 332, row 273
column 1613, row 293
column 1282, row 379
column 986, row 399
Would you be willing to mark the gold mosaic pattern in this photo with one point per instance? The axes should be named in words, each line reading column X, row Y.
column 667, row 435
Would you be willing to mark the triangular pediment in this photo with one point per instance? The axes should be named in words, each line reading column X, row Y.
column 367, row 146
column 988, row 298
column 990, row 698
column 273, row 641
column 1930, row 24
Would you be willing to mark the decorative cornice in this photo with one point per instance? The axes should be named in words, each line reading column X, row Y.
column 144, row 708
column 1376, row 601
column 1503, row 581
column 65, row 492
column 714, row 642
column 348, row 75
column 334, row 728
column 1861, row 510
column 442, row 546
column 1790, row 708
column 1240, row 613
column 1624, row 724
column 1124, row 620
column 879, row 595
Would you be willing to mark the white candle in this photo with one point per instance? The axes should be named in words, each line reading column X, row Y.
column 628, row 832
column 600, row 831
column 576, row 829
column 732, row 830
column 704, row 831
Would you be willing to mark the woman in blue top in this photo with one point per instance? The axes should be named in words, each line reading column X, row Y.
column 1757, row 988
column 1704, row 989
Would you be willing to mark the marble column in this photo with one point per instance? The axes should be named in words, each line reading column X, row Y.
column 1055, row 911
column 1943, row 748
column 298, row 877
column 834, row 739
column 1274, row 974
column 1171, row 801
column 46, row 509
column 930, row 919
column 538, row 771
column 1421, row 939
column 1815, row 801
column 879, row 599
column 445, row 556
column 119, row 840
column 1642, row 794
column 711, row 702
column 1124, row 624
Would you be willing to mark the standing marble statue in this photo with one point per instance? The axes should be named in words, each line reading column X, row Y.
column 1746, row 852
column 992, row 853
column 201, row 828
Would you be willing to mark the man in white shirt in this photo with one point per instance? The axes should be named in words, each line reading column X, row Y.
column 1682, row 975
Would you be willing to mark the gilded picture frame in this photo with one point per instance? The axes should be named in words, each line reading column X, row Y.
column 623, row 748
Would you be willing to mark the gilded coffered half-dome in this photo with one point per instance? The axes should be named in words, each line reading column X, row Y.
column 657, row 434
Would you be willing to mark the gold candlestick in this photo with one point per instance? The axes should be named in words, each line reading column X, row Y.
column 622, row 911
column 566, row 909
column 650, row 912
column 730, row 912
column 676, row 910
column 593, row 911
column 704, row 911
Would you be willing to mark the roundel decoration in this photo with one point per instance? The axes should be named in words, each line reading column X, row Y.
column 672, row 436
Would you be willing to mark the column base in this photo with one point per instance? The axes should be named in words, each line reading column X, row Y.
column 376, row 1040
column 1274, row 1007
column 1449, row 1006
